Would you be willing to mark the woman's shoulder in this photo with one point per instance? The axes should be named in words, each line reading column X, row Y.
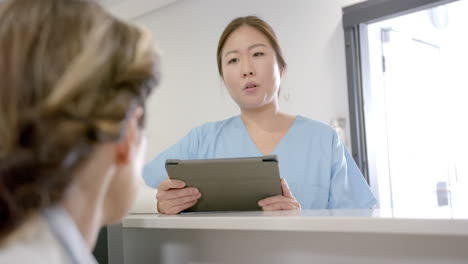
column 34, row 242
column 307, row 125
column 215, row 126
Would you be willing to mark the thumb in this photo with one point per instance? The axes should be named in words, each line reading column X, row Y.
column 285, row 188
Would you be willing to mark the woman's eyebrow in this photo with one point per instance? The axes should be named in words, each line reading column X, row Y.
column 249, row 48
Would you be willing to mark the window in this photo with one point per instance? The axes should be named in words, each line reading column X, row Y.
column 407, row 87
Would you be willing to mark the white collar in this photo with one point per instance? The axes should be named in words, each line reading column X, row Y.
column 66, row 231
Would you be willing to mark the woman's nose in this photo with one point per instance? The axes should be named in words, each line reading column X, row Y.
column 247, row 68
column 248, row 73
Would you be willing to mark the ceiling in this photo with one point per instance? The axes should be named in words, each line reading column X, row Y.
column 130, row 9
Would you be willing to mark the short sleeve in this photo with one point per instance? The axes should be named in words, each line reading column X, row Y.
column 348, row 188
column 155, row 172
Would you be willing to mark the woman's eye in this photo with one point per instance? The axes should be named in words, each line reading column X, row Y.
column 257, row 54
column 233, row 60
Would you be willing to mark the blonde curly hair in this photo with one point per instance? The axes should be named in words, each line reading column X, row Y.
column 70, row 75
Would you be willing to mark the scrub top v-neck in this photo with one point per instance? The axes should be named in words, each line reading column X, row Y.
column 318, row 168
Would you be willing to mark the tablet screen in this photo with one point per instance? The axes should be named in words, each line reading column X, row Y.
column 233, row 184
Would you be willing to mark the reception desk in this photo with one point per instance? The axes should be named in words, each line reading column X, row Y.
column 309, row 236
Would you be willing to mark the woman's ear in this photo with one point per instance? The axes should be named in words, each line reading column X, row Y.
column 130, row 138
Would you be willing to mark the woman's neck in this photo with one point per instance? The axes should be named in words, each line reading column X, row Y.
column 84, row 200
column 267, row 118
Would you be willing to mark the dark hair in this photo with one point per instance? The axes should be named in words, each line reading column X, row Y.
column 256, row 23
column 70, row 75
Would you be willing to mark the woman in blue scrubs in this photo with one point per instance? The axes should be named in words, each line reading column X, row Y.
column 316, row 169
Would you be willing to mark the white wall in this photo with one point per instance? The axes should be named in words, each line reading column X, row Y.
column 191, row 92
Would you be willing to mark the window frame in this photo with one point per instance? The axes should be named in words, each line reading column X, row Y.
column 355, row 20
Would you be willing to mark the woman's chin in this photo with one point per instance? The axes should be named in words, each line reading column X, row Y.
column 255, row 105
column 250, row 106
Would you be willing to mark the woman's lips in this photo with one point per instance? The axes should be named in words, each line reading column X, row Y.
column 251, row 88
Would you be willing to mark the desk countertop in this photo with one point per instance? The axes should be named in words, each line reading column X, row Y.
column 445, row 221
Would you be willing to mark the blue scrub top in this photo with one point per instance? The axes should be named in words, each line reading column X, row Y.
column 317, row 166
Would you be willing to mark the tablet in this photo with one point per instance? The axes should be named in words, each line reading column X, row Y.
column 233, row 184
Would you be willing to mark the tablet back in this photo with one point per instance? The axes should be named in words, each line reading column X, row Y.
column 235, row 184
